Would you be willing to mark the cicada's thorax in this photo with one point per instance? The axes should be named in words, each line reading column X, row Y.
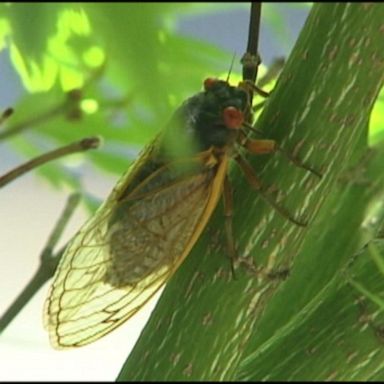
column 208, row 122
column 214, row 117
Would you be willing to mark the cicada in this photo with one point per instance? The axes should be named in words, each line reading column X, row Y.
column 141, row 234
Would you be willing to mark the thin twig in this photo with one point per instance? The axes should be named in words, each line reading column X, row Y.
column 77, row 146
column 251, row 59
column 254, row 28
column 23, row 125
column 72, row 203
column 47, row 267
column 6, row 113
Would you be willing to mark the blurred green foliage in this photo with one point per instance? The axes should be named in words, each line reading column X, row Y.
column 99, row 69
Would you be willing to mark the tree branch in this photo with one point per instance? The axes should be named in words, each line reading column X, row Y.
column 77, row 146
column 48, row 264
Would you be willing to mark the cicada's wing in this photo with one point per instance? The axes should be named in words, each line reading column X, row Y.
column 127, row 251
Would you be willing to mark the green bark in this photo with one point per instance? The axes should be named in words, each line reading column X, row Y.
column 210, row 326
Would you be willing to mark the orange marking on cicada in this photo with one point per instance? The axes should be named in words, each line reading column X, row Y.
column 209, row 82
column 260, row 147
column 233, row 118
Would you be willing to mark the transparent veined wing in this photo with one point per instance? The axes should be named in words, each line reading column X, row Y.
column 129, row 249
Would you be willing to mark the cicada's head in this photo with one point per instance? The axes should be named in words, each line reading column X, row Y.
column 216, row 114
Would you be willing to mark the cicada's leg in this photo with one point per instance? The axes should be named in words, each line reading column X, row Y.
column 251, row 87
column 258, row 106
column 228, row 213
column 273, row 72
column 256, row 184
column 234, row 258
column 260, row 91
column 294, row 160
column 257, row 146
column 250, row 65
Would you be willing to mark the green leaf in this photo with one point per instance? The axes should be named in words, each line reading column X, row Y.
column 39, row 43
column 32, row 24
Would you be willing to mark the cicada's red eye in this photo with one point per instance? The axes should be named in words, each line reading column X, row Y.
column 233, row 118
column 209, row 82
